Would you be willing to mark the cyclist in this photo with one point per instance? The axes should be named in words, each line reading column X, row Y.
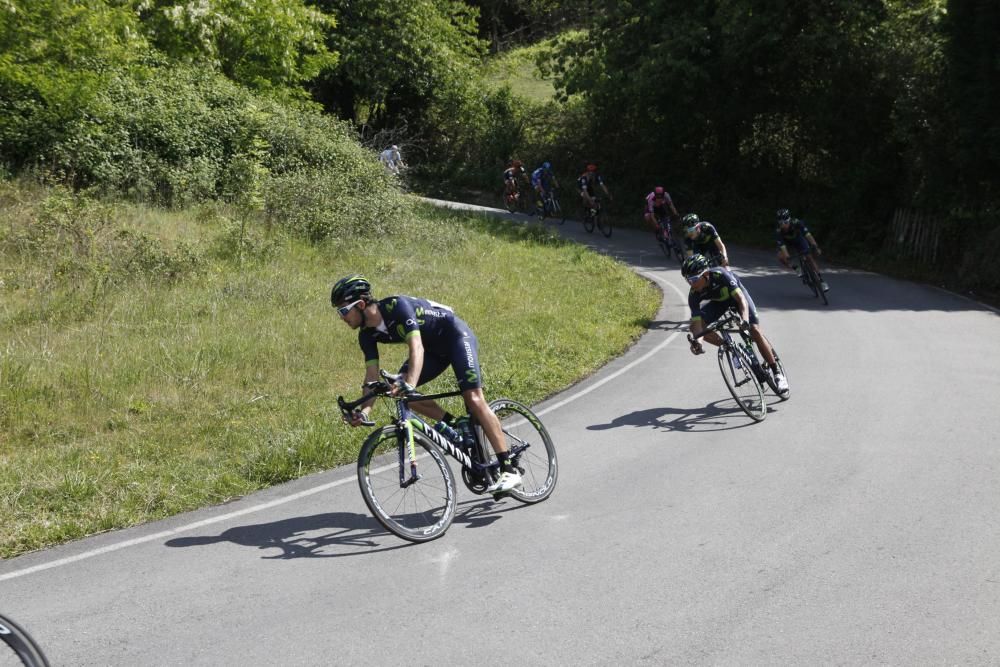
column 793, row 232
column 723, row 290
column 658, row 205
column 701, row 237
column 544, row 181
column 392, row 159
column 436, row 339
column 588, row 179
column 512, row 178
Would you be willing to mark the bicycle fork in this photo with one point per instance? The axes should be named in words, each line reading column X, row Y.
column 407, row 448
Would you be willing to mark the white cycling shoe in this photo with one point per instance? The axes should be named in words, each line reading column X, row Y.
column 782, row 383
column 506, row 482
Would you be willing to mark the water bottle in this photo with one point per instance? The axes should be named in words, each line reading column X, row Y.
column 441, row 426
column 464, row 429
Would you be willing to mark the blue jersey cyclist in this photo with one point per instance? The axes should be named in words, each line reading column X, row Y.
column 792, row 232
column 543, row 180
column 722, row 290
column 702, row 238
column 436, row 339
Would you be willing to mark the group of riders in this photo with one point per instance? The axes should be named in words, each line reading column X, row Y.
column 437, row 338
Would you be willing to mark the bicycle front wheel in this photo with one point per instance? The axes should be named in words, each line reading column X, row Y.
column 783, row 395
column 419, row 510
column 742, row 382
column 604, row 224
column 17, row 647
column 588, row 221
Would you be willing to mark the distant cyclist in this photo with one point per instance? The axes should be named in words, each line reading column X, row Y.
column 793, row 232
column 436, row 339
column 544, row 181
column 723, row 290
column 702, row 238
column 660, row 211
column 513, row 177
column 392, row 159
column 587, row 183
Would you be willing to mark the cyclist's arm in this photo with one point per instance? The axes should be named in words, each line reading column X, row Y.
column 416, row 365
column 371, row 375
column 721, row 247
column 742, row 307
column 605, row 188
column 673, row 209
column 812, row 241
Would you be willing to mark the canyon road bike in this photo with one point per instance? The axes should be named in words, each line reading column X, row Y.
column 405, row 478
column 744, row 374
column 17, row 647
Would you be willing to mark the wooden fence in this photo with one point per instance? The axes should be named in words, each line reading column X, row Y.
column 916, row 236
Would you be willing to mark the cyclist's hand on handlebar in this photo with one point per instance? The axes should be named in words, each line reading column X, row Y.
column 401, row 387
column 696, row 347
column 358, row 418
column 818, row 251
column 744, row 327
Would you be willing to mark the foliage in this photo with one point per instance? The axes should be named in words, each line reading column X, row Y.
column 397, row 57
column 262, row 44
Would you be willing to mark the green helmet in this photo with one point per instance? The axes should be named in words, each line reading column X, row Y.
column 350, row 288
column 690, row 220
column 694, row 265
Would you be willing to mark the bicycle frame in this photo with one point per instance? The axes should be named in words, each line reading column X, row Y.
column 407, row 420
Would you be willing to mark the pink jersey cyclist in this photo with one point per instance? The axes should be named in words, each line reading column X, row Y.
column 659, row 210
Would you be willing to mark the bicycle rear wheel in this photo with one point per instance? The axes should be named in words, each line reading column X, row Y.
column 742, row 382
column 771, row 383
column 531, row 448
column 420, row 511
column 17, row 647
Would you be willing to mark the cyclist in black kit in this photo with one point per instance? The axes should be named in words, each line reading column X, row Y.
column 723, row 290
column 702, row 238
column 436, row 339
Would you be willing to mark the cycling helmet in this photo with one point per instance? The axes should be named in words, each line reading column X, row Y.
column 591, row 167
column 658, row 191
column 546, row 166
column 784, row 216
column 395, row 147
column 350, row 288
column 694, row 265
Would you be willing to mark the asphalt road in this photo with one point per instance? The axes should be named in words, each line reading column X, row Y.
column 858, row 524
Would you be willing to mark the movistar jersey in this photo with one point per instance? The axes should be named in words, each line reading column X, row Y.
column 722, row 284
column 794, row 237
column 446, row 338
column 705, row 243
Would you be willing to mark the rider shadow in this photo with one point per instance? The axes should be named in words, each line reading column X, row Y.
column 667, row 325
column 712, row 417
column 317, row 536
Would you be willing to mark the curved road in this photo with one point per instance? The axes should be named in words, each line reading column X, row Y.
column 858, row 524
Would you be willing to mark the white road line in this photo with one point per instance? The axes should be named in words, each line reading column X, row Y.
column 318, row 489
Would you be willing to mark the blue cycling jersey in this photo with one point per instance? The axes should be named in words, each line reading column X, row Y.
column 794, row 236
column 722, row 284
column 705, row 243
column 446, row 338
column 543, row 177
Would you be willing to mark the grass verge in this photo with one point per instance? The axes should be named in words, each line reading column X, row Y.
column 210, row 369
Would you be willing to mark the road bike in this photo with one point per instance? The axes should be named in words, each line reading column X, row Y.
column 809, row 277
column 405, row 478
column 744, row 374
column 595, row 217
column 17, row 647
column 549, row 207
column 666, row 240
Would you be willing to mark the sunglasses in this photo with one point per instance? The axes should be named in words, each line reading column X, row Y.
column 344, row 310
column 693, row 279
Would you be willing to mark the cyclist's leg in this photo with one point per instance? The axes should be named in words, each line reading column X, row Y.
column 433, row 367
column 763, row 344
column 465, row 363
column 710, row 312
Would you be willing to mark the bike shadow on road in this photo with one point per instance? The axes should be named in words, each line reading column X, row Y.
column 315, row 536
column 721, row 415
column 336, row 534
